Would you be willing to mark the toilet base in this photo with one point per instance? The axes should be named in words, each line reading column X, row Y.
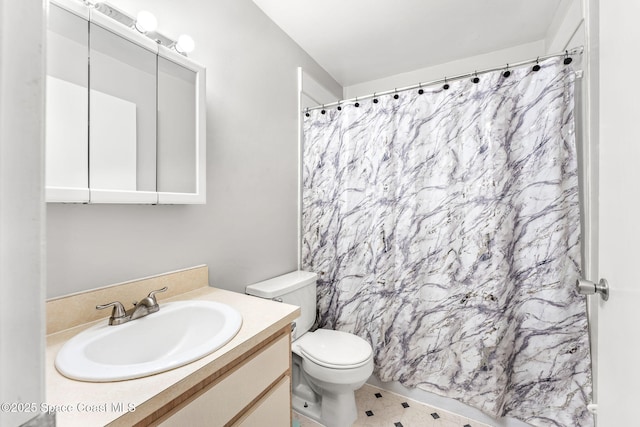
column 326, row 407
column 306, row 408
column 331, row 410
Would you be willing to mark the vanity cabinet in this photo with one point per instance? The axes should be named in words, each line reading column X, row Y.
column 125, row 115
column 254, row 393
column 246, row 382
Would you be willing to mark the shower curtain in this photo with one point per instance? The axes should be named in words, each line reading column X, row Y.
column 445, row 228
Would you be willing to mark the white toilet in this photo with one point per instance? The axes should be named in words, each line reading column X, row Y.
column 328, row 366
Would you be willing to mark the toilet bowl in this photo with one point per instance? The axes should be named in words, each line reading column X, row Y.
column 327, row 366
column 335, row 364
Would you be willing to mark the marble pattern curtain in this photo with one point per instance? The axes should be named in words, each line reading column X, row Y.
column 445, row 227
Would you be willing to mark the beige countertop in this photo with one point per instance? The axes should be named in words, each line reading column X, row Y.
column 79, row 403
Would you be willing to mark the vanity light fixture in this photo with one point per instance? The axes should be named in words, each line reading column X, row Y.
column 145, row 22
column 185, row 44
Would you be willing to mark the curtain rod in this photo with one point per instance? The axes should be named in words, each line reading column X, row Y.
column 567, row 53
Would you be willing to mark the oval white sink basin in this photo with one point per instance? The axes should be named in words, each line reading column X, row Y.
column 180, row 333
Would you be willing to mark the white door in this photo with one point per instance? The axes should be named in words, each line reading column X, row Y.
column 618, row 320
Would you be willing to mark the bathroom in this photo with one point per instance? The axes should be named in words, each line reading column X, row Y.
column 245, row 232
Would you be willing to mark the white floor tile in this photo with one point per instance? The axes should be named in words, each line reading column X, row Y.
column 388, row 410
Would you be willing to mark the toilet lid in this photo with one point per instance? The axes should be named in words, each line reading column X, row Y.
column 334, row 349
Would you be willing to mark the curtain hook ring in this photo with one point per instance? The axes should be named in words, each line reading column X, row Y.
column 420, row 90
column 446, row 85
column 307, row 112
column 357, row 104
column 567, row 58
column 375, row 100
column 339, row 107
column 323, row 111
column 476, row 79
column 537, row 66
column 506, row 73
column 395, row 96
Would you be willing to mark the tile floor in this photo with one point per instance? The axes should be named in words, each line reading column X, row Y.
column 380, row 408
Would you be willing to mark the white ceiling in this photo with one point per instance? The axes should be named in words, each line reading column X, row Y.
column 362, row 40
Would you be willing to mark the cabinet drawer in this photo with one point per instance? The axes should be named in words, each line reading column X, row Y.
column 234, row 392
column 274, row 409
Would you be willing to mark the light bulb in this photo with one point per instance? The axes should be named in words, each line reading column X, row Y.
column 185, row 44
column 146, row 22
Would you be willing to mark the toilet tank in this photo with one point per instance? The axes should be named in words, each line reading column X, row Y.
column 295, row 288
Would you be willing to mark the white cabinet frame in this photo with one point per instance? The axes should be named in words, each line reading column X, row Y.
column 93, row 195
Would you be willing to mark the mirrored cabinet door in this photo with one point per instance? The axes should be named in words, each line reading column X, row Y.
column 122, row 115
column 176, row 127
column 180, row 129
column 67, row 110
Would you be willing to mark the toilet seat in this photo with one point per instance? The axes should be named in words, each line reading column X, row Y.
column 334, row 349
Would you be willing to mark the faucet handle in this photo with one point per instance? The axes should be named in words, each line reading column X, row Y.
column 152, row 294
column 118, row 309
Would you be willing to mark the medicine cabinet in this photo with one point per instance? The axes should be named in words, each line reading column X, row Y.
column 125, row 115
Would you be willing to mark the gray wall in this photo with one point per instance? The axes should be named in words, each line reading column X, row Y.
column 247, row 231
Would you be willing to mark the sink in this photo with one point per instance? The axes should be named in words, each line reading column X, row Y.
column 180, row 333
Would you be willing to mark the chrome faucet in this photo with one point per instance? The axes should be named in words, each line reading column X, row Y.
column 146, row 306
